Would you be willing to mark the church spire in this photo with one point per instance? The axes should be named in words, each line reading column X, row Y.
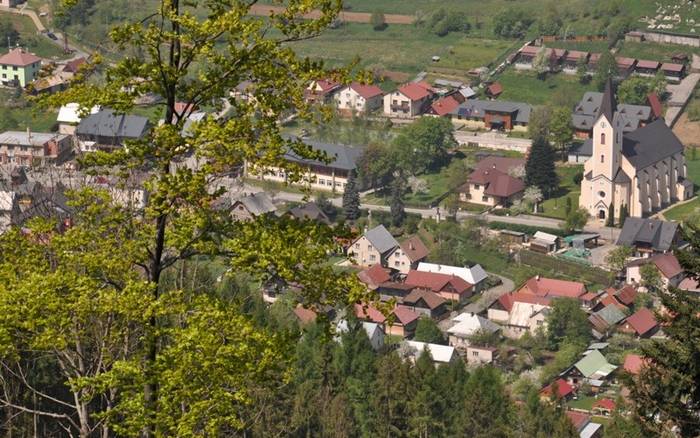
column 608, row 106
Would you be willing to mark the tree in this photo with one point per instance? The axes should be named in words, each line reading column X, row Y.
column 398, row 213
column 512, row 23
column 533, row 195
column 541, row 63
column 575, row 220
column 610, row 220
column 635, row 89
column 606, row 69
column 485, row 338
column 617, row 257
column 376, row 166
column 582, row 71
column 651, row 278
column 423, row 145
column 8, row 33
column 568, row 207
column 666, row 393
column 561, row 129
column 568, row 323
column 624, row 214
column 325, row 205
column 428, row 331
column 351, row 199
column 539, row 167
column 378, row 21
column 538, row 127
column 457, row 173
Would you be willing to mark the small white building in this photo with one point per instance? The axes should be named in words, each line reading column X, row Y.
column 481, row 355
column 467, row 325
column 357, row 98
column 69, row 117
column 440, row 354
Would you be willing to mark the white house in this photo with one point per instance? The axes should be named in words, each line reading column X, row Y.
column 468, row 324
column 409, row 100
column 438, row 353
column 475, row 275
column 357, row 98
column 69, row 118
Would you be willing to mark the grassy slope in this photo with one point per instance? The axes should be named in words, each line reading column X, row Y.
column 683, row 211
column 37, row 44
column 653, row 51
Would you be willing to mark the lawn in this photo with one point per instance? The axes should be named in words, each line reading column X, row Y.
column 18, row 114
column 556, row 206
column 653, row 51
column 437, row 186
column 30, row 39
column 523, row 86
column 683, row 211
column 585, row 403
column 584, row 46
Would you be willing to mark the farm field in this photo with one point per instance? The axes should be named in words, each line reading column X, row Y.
column 558, row 89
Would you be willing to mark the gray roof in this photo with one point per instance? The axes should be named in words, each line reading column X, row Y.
column 608, row 104
column 448, row 83
column 258, row 203
column 587, row 110
column 381, row 239
column 659, row 234
column 106, row 123
column 478, row 108
column 28, row 138
column 309, row 211
column 584, row 149
column 621, row 177
column 650, row 144
column 342, row 156
column 611, row 314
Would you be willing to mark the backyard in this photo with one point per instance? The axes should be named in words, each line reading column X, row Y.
column 653, row 51
column 524, row 86
column 556, row 206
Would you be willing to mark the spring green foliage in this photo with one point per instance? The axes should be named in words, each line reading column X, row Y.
column 512, row 23
column 606, row 69
column 423, row 145
column 428, row 331
column 617, row 257
column 567, row 323
column 398, row 213
column 8, row 34
column 560, row 129
column 635, row 89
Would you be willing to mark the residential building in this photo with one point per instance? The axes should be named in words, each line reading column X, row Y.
column 641, row 323
column 425, row 302
column 373, row 247
column 572, row 60
column 649, row 236
column 492, row 114
column 28, row 148
column 604, row 407
column 375, row 332
column 106, row 130
column 444, row 106
column 252, row 206
column 450, row 287
column 409, row 100
column 317, row 174
column 440, row 354
column 672, row 71
column 643, row 170
column 69, row 117
column 309, row 211
column 667, row 264
column 408, row 255
column 584, row 426
column 587, row 111
column 474, row 274
column 564, row 391
column 357, row 98
column 374, row 276
column 467, row 325
column 491, row 182
column 477, row 355
column 605, row 319
column 304, row 316
column 321, row 91
column 403, row 322
column 623, row 299
column 625, row 66
column 9, row 3
column 552, row 288
column 493, row 90
column 19, row 67
column 593, row 369
column 647, row 68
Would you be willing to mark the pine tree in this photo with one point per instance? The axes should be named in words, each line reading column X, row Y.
column 539, row 168
column 610, row 221
column 351, row 198
column 398, row 213
column 623, row 215
column 569, row 206
column 666, row 393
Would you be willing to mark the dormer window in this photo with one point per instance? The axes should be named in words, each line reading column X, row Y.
column 602, row 139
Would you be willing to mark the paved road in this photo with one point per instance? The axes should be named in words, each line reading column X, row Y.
column 680, row 93
column 354, row 17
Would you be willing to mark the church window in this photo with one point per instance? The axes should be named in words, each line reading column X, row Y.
column 602, row 138
column 602, row 158
column 601, row 194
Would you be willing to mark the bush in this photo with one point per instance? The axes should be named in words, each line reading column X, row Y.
column 378, row 21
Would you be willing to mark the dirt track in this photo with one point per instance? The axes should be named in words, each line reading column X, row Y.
column 352, row 17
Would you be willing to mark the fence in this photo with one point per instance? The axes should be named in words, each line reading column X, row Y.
column 671, row 38
column 586, row 273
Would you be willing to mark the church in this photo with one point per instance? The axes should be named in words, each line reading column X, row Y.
column 643, row 170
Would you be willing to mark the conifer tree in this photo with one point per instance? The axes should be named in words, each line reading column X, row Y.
column 539, row 167
column 610, row 221
column 351, row 198
column 398, row 213
column 624, row 214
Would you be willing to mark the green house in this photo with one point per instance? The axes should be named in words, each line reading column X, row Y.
column 18, row 67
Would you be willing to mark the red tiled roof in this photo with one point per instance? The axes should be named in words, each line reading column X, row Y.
column 611, row 299
column 642, row 321
column 633, row 363
column 647, row 64
column 530, row 50
column 18, row 57
column 444, row 105
column 366, row 91
column 507, row 300
column 655, row 105
column 404, row 315
column 305, row 315
column 437, row 282
column 502, row 164
column 369, row 313
column 589, row 296
column 74, row 65
column 668, row 264
column 326, row 85
column 414, row 248
column 575, row 55
column 431, row 299
column 689, row 284
column 563, row 389
column 550, row 287
column 579, row 419
column 495, row 89
column 624, row 62
column 670, row 66
column 626, row 295
column 605, row 403
column 558, row 53
column 182, row 107
column 414, row 91
column 374, row 275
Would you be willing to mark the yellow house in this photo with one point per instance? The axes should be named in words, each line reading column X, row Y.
column 18, row 67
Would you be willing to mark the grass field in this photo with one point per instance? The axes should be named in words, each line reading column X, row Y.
column 556, row 207
column 523, row 86
column 585, row 46
column 653, row 51
column 29, row 38
column 21, row 118
column 437, row 186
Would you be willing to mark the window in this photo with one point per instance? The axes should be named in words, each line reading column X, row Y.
column 477, row 186
column 485, row 198
column 372, row 258
column 357, row 245
column 14, row 68
column 475, row 353
column 601, row 194
column 539, row 322
column 369, row 247
column 4, row 76
column 602, row 138
column 396, row 263
column 602, row 158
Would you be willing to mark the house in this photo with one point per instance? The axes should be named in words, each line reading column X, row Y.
column 357, row 98
column 69, row 117
column 649, row 236
column 564, row 391
column 672, row 71
column 19, row 67
column 491, row 182
column 526, row 56
column 48, row 84
column 584, row 426
column 604, row 320
column 623, row 298
column 474, row 275
column 252, row 206
column 321, row 91
column 667, row 264
column 494, row 90
column 316, row 174
column 444, row 106
column 304, row 316
column 551, row 288
column 604, row 406
column 107, row 130
column 393, row 289
column 641, row 323
column 425, row 302
column 647, row 68
column 9, row 3
column 544, row 242
column 593, row 368
column 408, row 255
column 492, row 114
column 309, row 211
column 467, row 325
column 657, row 110
column 477, row 355
column 573, row 59
column 633, row 363
column 440, row 354
column 690, row 284
column 375, row 332
column 72, row 67
column 587, row 111
column 625, row 66
column 409, row 100
column 447, row 286
column 373, row 247
column 27, row 148
column 403, row 321
column 643, row 170
column 374, row 276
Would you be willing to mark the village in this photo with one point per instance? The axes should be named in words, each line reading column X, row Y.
column 534, row 239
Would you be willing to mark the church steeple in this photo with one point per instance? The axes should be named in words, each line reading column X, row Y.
column 608, row 105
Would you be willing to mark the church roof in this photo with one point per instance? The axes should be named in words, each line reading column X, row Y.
column 608, row 106
column 650, row 144
column 621, row 177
